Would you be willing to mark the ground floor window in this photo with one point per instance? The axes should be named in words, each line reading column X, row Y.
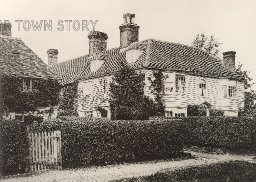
column 103, row 112
column 179, row 115
column 168, row 114
column 27, row 84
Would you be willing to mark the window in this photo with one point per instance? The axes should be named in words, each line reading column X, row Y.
column 27, row 84
column 228, row 91
column 202, row 87
column 224, row 91
column 179, row 115
column 180, row 83
column 168, row 114
column 168, row 89
column 231, row 91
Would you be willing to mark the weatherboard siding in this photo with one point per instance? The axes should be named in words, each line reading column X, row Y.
column 177, row 102
column 92, row 94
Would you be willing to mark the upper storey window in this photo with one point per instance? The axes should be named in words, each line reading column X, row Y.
column 180, row 83
column 202, row 87
column 231, row 91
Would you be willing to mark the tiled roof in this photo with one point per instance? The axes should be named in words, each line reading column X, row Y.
column 18, row 60
column 69, row 71
column 79, row 68
column 173, row 56
column 156, row 55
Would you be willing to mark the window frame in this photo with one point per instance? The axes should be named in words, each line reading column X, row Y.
column 168, row 114
column 202, row 87
column 180, row 88
column 27, row 84
column 231, row 91
column 180, row 115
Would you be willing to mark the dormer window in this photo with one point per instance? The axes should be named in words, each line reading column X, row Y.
column 133, row 55
column 96, row 64
column 202, row 87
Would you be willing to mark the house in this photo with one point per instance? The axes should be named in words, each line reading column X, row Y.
column 192, row 77
column 23, row 68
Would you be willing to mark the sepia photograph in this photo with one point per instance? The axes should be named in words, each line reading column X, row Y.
column 127, row 91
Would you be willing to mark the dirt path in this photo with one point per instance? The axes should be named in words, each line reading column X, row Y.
column 113, row 172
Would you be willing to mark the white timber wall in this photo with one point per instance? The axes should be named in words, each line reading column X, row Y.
column 92, row 94
column 177, row 102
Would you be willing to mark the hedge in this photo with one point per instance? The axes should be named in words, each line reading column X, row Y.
column 231, row 133
column 98, row 142
column 14, row 147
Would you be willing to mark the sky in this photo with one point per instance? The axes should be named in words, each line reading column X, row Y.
column 231, row 22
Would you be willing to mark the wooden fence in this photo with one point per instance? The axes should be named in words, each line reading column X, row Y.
column 45, row 150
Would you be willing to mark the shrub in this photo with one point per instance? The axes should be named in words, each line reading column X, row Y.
column 195, row 110
column 232, row 133
column 14, row 146
column 216, row 112
column 45, row 93
column 98, row 142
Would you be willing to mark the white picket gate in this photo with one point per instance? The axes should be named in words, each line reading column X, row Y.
column 45, row 150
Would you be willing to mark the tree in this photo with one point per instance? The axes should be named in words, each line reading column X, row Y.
column 207, row 44
column 127, row 95
column 128, row 101
column 158, row 90
column 45, row 93
column 68, row 100
column 248, row 81
column 250, row 95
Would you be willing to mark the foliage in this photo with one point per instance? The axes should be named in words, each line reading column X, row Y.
column 14, row 146
column 231, row 133
column 245, row 74
column 207, row 44
column 228, row 171
column 216, row 112
column 88, row 141
column 68, row 100
column 127, row 96
column 198, row 110
column 250, row 95
column 158, row 90
column 249, row 106
column 195, row 110
column 44, row 93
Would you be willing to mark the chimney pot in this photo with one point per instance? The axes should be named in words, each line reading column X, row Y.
column 129, row 31
column 52, row 56
column 229, row 60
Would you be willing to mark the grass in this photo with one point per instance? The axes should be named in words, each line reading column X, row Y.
column 228, row 171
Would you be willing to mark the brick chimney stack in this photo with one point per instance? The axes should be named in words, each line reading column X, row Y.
column 52, row 56
column 229, row 60
column 129, row 31
column 97, row 42
column 6, row 29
